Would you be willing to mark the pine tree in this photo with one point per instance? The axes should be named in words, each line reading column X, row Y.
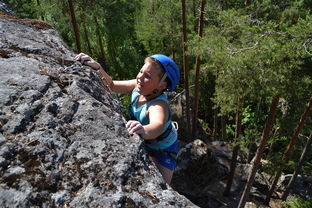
column 298, row 167
column 197, row 69
column 185, row 70
column 75, row 25
column 289, row 149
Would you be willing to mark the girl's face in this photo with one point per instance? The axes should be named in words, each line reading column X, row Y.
column 147, row 79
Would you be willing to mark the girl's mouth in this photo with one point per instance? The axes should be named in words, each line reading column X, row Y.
column 139, row 85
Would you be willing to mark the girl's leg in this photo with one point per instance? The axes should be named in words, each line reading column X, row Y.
column 165, row 172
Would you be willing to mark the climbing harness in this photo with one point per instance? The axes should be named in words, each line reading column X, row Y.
column 151, row 152
column 163, row 136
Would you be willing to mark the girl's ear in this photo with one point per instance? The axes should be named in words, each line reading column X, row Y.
column 163, row 85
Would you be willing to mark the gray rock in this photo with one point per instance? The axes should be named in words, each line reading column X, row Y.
column 63, row 139
column 2, row 139
column 302, row 186
column 202, row 172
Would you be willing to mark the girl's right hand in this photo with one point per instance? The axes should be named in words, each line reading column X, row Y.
column 135, row 127
column 87, row 60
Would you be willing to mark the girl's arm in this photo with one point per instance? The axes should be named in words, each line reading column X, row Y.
column 115, row 86
column 158, row 116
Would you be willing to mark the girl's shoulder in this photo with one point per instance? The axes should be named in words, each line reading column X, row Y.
column 163, row 97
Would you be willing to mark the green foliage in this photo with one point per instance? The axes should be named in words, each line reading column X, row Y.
column 126, row 54
column 251, row 60
column 256, row 53
column 307, row 168
column 23, row 8
column 307, row 165
column 297, row 202
column 207, row 86
column 225, row 5
column 252, row 130
column 125, row 101
column 115, row 26
column 230, row 130
column 158, row 26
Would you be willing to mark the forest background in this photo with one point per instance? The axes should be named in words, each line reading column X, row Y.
column 253, row 59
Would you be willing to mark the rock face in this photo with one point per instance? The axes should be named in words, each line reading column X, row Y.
column 62, row 135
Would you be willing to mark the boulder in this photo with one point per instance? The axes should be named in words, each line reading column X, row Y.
column 302, row 186
column 202, row 172
column 63, row 140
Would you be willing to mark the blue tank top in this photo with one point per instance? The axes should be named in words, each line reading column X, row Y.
column 139, row 113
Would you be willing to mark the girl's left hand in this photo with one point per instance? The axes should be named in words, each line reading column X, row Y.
column 87, row 60
column 134, row 127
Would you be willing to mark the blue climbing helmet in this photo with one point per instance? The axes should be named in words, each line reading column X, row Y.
column 171, row 69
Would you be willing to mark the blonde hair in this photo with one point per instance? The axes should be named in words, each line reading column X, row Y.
column 155, row 63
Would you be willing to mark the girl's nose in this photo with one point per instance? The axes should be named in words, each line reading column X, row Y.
column 139, row 76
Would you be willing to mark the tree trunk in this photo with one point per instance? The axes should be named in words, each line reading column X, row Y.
column 215, row 123
column 235, row 152
column 238, row 119
column 185, row 63
column 87, row 38
column 298, row 167
column 196, row 96
column 102, row 55
column 274, row 135
column 194, row 14
column 263, row 142
column 253, row 146
column 38, row 3
column 223, row 128
column 236, row 148
column 289, row 149
column 75, row 25
column 85, row 31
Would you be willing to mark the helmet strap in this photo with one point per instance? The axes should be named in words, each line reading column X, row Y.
column 162, row 79
column 155, row 91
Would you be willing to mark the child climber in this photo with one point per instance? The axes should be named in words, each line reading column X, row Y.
column 149, row 108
